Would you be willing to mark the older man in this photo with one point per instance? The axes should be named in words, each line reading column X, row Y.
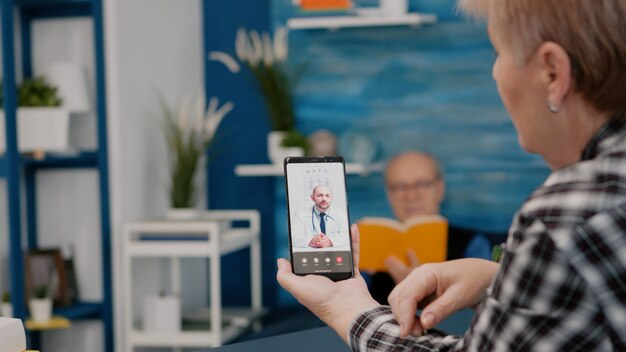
column 415, row 187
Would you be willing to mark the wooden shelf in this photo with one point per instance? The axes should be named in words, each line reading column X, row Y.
column 336, row 22
column 277, row 169
column 55, row 323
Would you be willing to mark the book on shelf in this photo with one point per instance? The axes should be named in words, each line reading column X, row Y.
column 381, row 237
column 313, row 6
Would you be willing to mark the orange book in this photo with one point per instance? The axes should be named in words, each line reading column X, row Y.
column 427, row 236
column 317, row 5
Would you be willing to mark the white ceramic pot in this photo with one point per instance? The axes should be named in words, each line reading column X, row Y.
column 274, row 149
column 278, row 153
column 40, row 309
column 6, row 310
column 162, row 314
column 394, row 8
column 182, row 213
column 39, row 129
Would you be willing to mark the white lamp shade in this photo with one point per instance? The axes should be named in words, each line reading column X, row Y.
column 71, row 81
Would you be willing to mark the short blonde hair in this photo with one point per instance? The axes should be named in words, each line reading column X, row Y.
column 592, row 32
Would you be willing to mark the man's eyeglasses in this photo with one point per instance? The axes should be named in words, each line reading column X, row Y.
column 399, row 188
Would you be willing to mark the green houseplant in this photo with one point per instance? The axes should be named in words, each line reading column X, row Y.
column 6, row 308
column 36, row 92
column 265, row 57
column 189, row 132
column 40, row 304
column 43, row 123
column 40, row 291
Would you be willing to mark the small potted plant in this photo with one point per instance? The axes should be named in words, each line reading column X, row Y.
column 40, row 304
column 189, row 133
column 294, row 139
column 265, row 57
column 43, row 124
column 6, row 308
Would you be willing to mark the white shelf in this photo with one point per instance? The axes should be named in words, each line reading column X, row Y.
column 336, row 22
column 193, row 339
column 212, row 235
column 277, row 169
column 238, row 320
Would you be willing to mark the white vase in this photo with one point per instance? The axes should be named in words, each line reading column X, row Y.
column 40, row 129
column 182, row 213
column 6, row 310
column 278, row 153
column 394, row 8
column 40, row 309
column 162, row 314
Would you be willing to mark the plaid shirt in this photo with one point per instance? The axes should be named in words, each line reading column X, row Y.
column 562, row 280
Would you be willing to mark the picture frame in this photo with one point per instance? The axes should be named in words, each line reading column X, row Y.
column 47, row 267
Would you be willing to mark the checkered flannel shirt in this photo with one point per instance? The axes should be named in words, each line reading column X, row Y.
column 562, row 280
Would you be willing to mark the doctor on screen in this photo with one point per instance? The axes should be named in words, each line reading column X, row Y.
column 319, row 226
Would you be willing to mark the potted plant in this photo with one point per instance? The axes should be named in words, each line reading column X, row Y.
column 189, row 133
column 295, row 143
column 266, row 57
column 40, row 304
column 6, row 308
column 43, row 125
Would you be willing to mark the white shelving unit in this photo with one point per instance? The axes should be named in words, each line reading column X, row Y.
column 210, row 236
column 347, row 21
column 277, row 169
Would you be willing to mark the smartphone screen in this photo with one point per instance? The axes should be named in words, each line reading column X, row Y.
column 319, row 224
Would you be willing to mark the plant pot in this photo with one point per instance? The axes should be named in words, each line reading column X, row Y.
column 182, row 213
column 394, row 8
column 6, row 310
column 40, row 309
column 162, row 314
column 39, row 129
column 278, row 153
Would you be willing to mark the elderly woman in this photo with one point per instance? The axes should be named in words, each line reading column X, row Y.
column 561, row 284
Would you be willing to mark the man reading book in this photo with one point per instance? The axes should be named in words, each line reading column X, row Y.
column 319, row 226
column 415, row 187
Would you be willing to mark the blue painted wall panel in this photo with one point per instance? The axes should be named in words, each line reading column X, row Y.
column 240, row 140
column 427, row 88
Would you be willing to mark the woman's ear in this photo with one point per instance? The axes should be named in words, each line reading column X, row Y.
column 555, row 72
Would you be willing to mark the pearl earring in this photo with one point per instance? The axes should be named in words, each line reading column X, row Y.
column 552, row 107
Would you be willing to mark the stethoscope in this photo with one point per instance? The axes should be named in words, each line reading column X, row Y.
column 313, row 220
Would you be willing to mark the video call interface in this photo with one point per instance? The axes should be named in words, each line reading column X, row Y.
column 318, row 218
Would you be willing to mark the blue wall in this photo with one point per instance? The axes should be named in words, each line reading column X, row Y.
column 239, row 140
column 427, row 88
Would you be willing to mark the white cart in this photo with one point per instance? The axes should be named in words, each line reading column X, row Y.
column 209, row 236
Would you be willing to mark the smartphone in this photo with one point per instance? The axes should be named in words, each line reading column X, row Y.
column 317, row 216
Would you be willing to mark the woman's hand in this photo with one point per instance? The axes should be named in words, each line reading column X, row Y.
column 443, row 288
column 336, row 303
